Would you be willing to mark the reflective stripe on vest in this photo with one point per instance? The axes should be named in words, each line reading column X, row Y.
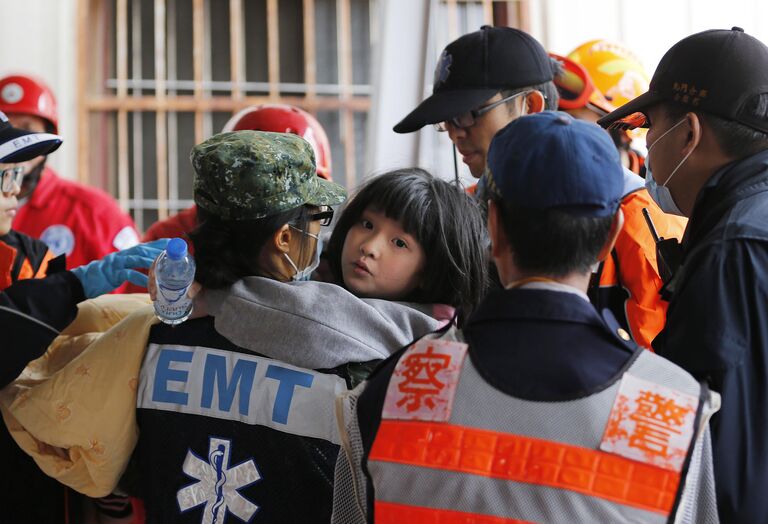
column 241, row 387
column 524, row 459
column 540, row 462
column 387, row 513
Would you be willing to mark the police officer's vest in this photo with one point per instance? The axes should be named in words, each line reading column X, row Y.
column 225, row 432
column 452, row 448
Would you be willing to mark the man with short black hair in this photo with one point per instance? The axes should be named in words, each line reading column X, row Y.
column 484, row 80
column 707, row 113
column 537, row 410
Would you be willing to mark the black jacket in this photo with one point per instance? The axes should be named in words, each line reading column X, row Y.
column 717, row 328
column 220, row 432
column 32, row 312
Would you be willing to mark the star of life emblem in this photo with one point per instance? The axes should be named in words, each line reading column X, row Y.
column 217, row 484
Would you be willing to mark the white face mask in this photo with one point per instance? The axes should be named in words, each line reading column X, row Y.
column 660, row 193
column 306, row 273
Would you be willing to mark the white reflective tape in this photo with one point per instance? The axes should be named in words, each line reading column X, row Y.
column 25, row 141
column 240, row 387
column 125, row 238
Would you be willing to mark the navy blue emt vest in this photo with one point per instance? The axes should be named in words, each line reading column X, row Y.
column 226, row 433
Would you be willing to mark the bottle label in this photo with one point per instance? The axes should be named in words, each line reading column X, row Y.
column 172, row 303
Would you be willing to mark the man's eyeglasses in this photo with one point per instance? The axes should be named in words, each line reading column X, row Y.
column 468, row 119
column 11, row 176
column 325, row 216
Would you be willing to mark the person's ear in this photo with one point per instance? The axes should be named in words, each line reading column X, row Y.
column 694, row 132
column 281, row 239
column 613, row 234
column 495, row 231
column 534, row 102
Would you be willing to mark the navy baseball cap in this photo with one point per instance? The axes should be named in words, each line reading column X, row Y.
column 550, row 160
column 18, row 145
column 717, row 71
column 476, row 66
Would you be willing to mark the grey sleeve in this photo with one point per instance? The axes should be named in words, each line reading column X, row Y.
column 313, row 324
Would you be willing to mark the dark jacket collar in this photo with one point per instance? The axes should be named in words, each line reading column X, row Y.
column 727, row 186
column 519, row 304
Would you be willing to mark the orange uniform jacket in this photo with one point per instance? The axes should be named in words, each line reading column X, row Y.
column 628, row 280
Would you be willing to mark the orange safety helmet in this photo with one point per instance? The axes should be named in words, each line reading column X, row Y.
column 284, row 118
column 614, row 69
column 23, row 94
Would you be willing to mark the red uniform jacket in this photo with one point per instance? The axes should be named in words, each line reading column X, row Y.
column 80, row 221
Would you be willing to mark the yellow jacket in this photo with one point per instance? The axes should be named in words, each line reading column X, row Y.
column 73, row 410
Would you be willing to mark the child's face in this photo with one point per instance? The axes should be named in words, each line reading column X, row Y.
column 379, row 259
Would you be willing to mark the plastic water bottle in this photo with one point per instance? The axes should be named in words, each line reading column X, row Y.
column 174, row 273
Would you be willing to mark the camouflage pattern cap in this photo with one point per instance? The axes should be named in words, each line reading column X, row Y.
column 244, row 175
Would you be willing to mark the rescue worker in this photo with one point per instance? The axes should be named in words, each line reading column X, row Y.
column 21, row 257
column 577, row 424
column 707, row 116
column 278, row 118
column 628, row 281
column 483, row 81
column 75, row 220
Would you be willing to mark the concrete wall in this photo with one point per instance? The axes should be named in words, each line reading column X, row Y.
column 39, row 37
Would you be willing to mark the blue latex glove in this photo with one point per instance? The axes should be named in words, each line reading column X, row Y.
column 103, row 276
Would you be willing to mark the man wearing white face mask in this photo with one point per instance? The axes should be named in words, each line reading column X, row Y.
column 660, row 193
column 707, row 113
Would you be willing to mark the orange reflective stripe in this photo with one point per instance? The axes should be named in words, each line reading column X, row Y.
column 26, row 270
column 525, row 459
column 389, row 513
column 42, row 271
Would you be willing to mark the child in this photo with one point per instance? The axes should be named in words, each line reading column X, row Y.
column 411, row 237
column 407, row 237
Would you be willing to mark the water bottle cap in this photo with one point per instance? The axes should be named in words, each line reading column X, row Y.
column 176, row 249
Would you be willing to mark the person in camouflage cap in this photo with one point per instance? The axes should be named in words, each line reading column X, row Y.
column 245, row 175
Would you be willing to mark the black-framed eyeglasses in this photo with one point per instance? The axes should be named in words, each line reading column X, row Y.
column 468, row 119
column 11, row 176
column 324, row 216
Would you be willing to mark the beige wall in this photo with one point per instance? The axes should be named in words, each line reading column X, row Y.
column 39, row 37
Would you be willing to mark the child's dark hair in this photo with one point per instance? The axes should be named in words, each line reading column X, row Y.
column 228, row 250
column 447, row 223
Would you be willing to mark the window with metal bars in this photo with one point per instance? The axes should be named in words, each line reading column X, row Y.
column 158, row 76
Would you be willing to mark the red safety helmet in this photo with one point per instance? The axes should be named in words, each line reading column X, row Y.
column 22, row 94
column 284, row 118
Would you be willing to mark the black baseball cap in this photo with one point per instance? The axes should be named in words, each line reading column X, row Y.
column 476, row 66
column 716, row 71
column 18, row 145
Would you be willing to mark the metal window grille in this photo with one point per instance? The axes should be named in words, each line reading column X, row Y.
column 158, row 76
